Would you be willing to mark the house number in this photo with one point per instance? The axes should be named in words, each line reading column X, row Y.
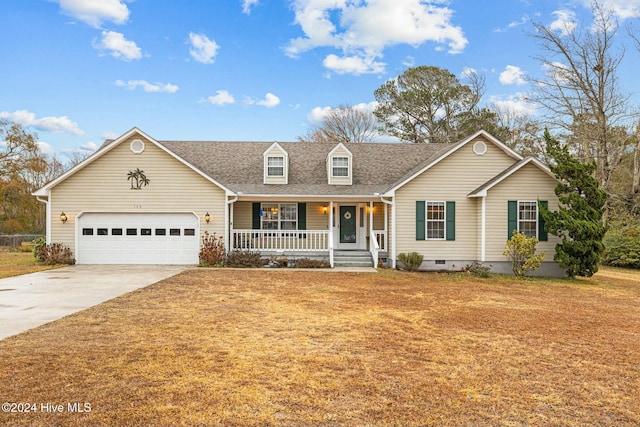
column 137, row 206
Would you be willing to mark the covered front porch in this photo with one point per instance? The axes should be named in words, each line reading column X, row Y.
column 312, row 228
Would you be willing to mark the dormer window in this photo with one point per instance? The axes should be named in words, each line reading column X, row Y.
column 276, row 165
column 340, row 167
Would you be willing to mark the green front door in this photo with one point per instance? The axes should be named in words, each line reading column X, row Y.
column 348, row 224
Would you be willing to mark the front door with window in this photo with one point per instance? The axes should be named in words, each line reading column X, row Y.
column 348, row 227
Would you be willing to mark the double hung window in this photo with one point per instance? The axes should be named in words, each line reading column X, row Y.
column 436, row 220
column 528, row 218
column 279, row 216
column 275, row 166
column 340, row 166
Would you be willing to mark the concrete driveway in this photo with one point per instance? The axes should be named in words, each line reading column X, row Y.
column 34, row 299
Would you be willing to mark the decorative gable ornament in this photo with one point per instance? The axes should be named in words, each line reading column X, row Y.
column 138, row 179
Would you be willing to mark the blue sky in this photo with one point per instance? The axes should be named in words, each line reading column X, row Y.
column 80, row 71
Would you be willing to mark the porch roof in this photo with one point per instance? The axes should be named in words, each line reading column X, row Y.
column 239, row 165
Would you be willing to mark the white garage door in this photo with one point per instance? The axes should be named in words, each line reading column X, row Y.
column 116, row 238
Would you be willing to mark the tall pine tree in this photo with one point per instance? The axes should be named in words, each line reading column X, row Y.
column 578, row 220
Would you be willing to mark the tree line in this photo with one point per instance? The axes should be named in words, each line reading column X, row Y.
column 579, row 100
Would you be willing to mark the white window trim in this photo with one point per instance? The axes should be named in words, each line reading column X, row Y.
column 427, row 220
column 279, row 220
column 282, row 166
column 535, row 220
column 334, row 167
column 274, row 151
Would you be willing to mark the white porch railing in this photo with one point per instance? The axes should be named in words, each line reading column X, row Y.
column 374, row 247
column 381, row 238
column 280, row 240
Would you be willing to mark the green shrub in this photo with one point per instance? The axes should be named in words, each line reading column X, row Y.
column 56, row 253
column 521, row 251
column 622, row 245
column 312, row 263
column 38, row 244
column 477, row 269
column 412, row 261
column 244, row 259
column 211, row 251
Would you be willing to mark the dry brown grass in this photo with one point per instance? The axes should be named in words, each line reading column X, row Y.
column 255, row 348
column 17, row 263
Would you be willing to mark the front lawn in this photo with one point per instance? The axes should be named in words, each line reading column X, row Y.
column 256, row 348
column 17, row 263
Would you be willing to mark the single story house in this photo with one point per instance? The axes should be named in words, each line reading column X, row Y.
column 145, row 201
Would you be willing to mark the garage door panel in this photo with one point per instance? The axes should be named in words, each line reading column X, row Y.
column 117, row 238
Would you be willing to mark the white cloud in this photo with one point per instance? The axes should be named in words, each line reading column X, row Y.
column 565, row 21
column 109, row 134
column 46, row 148
column 247, row 5
column 468, row 72
column 47, row 124
column 269, row 101
column 89, row 146
column 364, row 29
column 353, row 65
column 557, row 71
column 512, row 75
column 148, row 87
column 318, row 114
column 202, row 49
column 623, row 9
column 94, row 12
column 119, row 46
column 221, row 97
column 517, row 103
column 84, row 150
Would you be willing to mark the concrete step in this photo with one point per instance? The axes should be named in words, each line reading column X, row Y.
column 352, row 259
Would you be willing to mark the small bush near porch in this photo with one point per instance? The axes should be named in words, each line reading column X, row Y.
column 255, row 348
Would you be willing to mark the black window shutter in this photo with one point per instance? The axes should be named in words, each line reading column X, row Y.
column 420, row 220
column 512, row 217
column 302, row 216
column 542, row 233
column 451, row 221
column 255, row 218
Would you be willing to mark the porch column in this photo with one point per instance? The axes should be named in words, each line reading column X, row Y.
column 371, row 224
column 483, row 230
column 331, row 233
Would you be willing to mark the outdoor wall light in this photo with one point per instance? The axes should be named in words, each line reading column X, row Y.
column 325, row 209
column 207, row 217
column 63, row 217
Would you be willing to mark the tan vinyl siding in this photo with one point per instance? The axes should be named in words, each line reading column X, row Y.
column 378, row 216
column 529, row 183
column 242, row 215
column 102, row 186
column 316, row 219
column 452, row 179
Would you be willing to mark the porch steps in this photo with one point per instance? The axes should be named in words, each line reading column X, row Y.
column 342, row 258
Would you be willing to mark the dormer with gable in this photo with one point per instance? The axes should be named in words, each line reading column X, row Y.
column 340, row 166
column 276, row 165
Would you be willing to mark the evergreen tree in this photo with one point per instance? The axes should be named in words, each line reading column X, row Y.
column 579, row 219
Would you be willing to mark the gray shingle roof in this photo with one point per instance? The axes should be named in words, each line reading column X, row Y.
column 239, row 165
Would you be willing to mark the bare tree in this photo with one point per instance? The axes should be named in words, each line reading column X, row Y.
column 580, row 92
column 76, row 157
column 525, row 132
column 346, row 124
